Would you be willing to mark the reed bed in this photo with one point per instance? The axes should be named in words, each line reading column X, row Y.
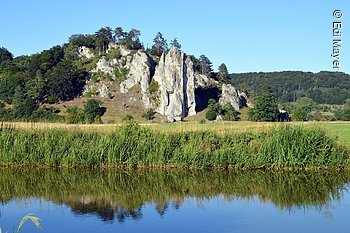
column 281, row 147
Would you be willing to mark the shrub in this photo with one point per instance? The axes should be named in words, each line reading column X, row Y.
column 127, row 118
column 92, row 109
column 149, row 115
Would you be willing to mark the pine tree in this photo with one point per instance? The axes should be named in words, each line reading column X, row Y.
column 223, row 74
column 175, row 43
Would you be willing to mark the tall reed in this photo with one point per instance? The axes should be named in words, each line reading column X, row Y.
column 132, row 145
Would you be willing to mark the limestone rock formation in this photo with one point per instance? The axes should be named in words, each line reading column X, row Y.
column 140, row 67
column 229, row 94
column 105, row 66
column 176, row 80
column 85, row 52
column 101, row 89
column 168, row 87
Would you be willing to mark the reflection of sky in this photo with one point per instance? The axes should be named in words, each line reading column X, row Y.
column 214, row 215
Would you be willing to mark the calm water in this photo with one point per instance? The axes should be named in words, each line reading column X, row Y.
column 160, row 201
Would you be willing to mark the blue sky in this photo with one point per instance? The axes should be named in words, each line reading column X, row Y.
column 248, row 36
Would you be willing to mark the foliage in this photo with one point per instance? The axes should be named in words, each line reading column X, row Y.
column 65, row 81
column 223, row 74
column 300, row 114
column 212, row 110
column 346, row 111
column 230, row 113
column 121, row 74
column 288, row 86
column 302, row 108
column 175, row 43
column 102, row 38
column 205, row 65
column 153, row 87
column 5, row 55
column 79, row 40
column 92, row 110
column 127, row 118
column 160, row 45
column 149, row 114
column 74, row 115
column 266, row 108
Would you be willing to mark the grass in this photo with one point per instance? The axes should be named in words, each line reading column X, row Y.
column 275, row 147
column 28, row 217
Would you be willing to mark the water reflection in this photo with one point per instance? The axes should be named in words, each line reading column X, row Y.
column 121, row 194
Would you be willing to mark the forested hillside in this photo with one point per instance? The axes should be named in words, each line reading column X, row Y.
column 288, row 86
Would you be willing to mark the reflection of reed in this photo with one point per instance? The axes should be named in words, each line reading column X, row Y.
column 120, row 194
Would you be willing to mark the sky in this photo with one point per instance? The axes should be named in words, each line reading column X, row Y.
column 248, row 36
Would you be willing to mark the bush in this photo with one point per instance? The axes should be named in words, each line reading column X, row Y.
column 149, row 115
column 92, row 109
column 74, row 115
column 202, row 121
column 127, row 118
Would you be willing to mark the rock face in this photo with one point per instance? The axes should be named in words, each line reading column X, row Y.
column 105, row 66
column 230, row 94
column 140, row 68
column 168, row 87
column 175, row 77
column 85, row 52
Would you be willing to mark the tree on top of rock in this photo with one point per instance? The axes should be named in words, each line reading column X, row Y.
column 205, row 65
column 118, row 34
column 175, row 43
column 223, row 74
column 132, row 39
column 102, row 38
column 160, row 45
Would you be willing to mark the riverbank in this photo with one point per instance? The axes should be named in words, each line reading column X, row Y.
column 278, row 147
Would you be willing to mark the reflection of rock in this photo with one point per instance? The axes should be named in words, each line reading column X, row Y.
column 175, row 76
column 121, row 194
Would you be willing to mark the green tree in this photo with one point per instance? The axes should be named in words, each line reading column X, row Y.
column 65, row 81
column 346, row 110
column 102, row 38
column 79, row 40
column 36, row 87
column 160, row 45
column 205, row 65
column 230, row 113
column 92, row 110
column 302, row 108
column 266, row 108
column 132, row 40
column 300, row 114
column 118, row 34
column 223, row 74
column 175, row 43
column 5, row 55
column 212, row 111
